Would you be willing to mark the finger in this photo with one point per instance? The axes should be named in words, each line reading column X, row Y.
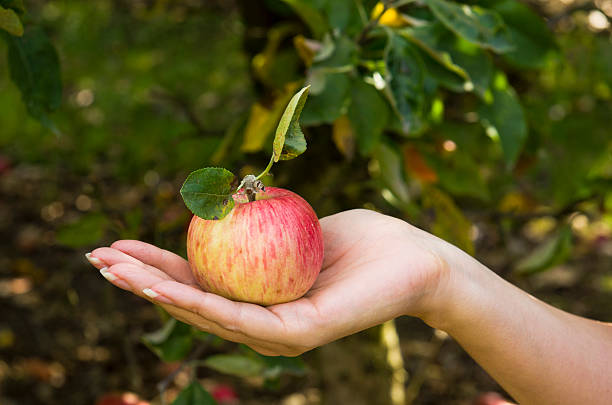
column 172, row 264
column 139, row 281
column 109, row 257
column 252, row 320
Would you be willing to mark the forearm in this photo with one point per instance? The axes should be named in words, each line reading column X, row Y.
column 539, row 354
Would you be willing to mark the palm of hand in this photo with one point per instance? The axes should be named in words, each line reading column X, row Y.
column 376, row 268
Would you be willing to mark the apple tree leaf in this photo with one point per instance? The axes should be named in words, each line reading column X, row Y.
column 506, row 116
column 208, row 192
column 289, row 140
column 477, row 25
column 172, row 342
column 194, row 394
column 550, row 253
column 10, row 22
column 368, row 113
column 35, row 69
column 236, row 364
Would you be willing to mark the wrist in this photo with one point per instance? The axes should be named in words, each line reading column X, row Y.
column 460, row 289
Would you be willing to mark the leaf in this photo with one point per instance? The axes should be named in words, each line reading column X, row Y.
column 289, row 140
column 34, row 67
column 449, row 222
column 467, row 66
column 86, row 231
column 344, row 137
column 10, row 22
column 330, row 82
column 331, row 103
column 428, row 38
column 276, row 366
column 343, row 16
column 392, row 170
column 310, row 15
column 236, row 364
column 279, row 365
column 475, row 24
column 208, row 192
column 504, row 117
column 172, row 342
column 405, row 77
column 194, row 394
column 368, row 113
column 533, row 41
column 550, row 253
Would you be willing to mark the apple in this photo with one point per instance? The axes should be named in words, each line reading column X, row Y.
column 267, row 251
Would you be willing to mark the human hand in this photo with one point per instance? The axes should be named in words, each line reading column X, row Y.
column 375, row 268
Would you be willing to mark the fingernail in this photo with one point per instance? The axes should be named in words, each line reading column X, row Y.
column 93, row 260
column 114, row 279
column 155, row 296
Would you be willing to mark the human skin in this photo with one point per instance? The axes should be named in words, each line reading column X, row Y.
column 378, row 268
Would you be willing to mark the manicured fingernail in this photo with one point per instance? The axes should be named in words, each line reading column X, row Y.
column 155, row 296
column 114, row 279
column 93, row 260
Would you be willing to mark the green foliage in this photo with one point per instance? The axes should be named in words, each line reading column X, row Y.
column 172, row 342
column 289, row 140
column 551, row 252
column 475, row 24
column 503, row 118
column 235, row 364
column 369, row 114
column 208, row 192
column 34, row 67
column 194, row 394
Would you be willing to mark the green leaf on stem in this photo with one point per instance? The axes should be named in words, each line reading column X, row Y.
column 34, row 67
column 208, row 192
column 236, row 364
column 279, row 365
column 504, row 118
column 10, row 22
column 194, row 394
column 533, row 40
column 289, row 140
column 405, row 78
column 428, row 37
column 172, row 342
column 550, row 253
column 467, row 66
column 477, row 25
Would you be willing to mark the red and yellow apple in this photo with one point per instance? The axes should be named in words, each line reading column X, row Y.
column 267, row 251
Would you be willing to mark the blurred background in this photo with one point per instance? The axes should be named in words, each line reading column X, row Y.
column 497, row 139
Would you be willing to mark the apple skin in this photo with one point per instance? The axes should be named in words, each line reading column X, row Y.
column 266, row 252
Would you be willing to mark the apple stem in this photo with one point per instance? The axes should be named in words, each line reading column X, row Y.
column 251, row 186
column 267, row 169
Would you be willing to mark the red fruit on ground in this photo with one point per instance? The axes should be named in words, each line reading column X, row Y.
column 267, row 252
column 224, row 394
